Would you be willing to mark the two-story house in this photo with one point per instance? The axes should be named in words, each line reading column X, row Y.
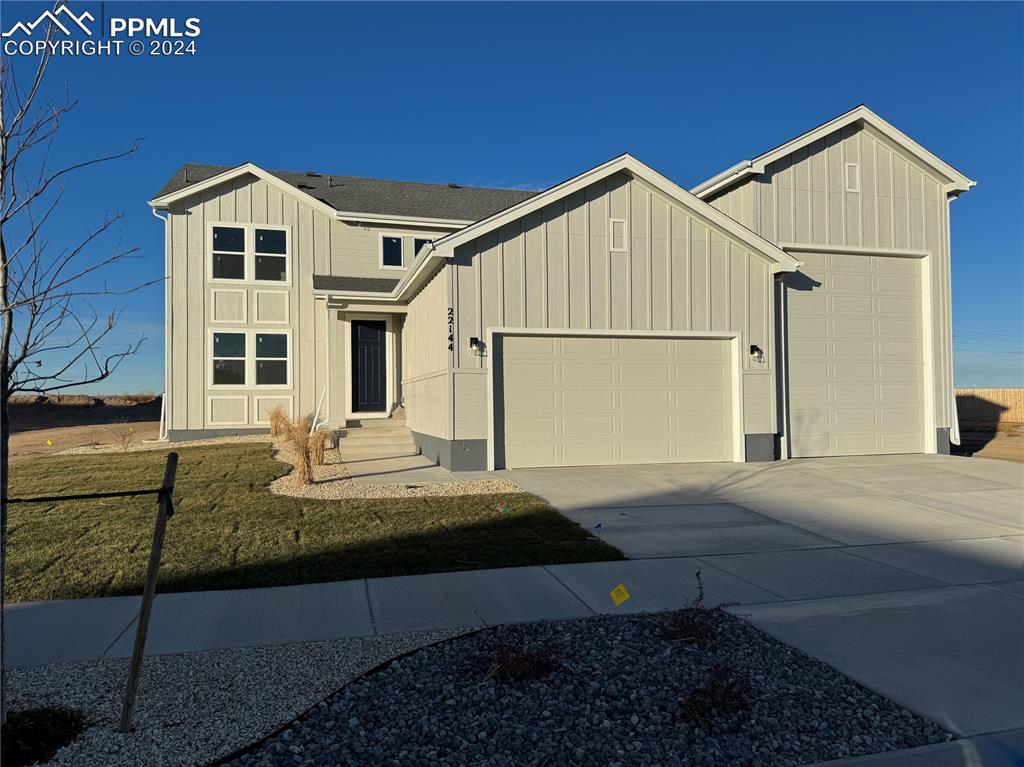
column 798, row 304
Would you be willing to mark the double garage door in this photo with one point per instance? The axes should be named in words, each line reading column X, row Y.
column 598, row 400
column 856, row 351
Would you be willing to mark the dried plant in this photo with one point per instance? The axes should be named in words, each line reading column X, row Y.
column 724, row 691
column 517, row 664
column 278, row 418
column 317, row 445
column 298, row 435
column 688, row 624
column 122, row 433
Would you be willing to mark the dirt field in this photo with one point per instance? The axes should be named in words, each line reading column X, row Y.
column 1001, row 446
column 45, row 429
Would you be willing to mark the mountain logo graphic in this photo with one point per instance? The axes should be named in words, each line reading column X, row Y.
column 62, row 18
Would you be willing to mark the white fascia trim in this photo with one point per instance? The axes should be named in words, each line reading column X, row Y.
column 161, row 203
column 372, row 218
column 630, row 164
column 958, row 181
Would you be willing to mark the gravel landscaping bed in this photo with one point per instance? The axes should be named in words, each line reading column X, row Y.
column 200, row 707
column 618, row 690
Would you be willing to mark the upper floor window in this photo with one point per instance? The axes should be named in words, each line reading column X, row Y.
column 228, row 253
column 271, row 255
column 248, row 252
column 390, row 252
column 417, row 244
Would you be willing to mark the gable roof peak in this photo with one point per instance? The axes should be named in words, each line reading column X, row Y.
column 956, row 181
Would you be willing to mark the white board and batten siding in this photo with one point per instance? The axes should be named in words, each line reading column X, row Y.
column 854, row 190
column 198, row 307
column 554, row 269
column 426, row 374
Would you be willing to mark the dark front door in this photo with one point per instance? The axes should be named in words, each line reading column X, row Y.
column 368, row 366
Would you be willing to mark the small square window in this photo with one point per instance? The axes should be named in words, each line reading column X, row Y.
column 229, row 345
column 272, row 268
column 272, row 241
column 391, row 251
column 417, row 244
column 228, row 239
column 228, row 266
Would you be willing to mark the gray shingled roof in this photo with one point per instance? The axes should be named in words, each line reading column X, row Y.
column 354, row 284
column 376, row 196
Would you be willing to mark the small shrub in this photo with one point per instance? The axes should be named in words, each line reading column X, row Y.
column 317, row 445
column 688, row 624
column 278, row 418
column 298, row 435
column 514, row 664
column 724, row 691
column 122, row 433
column 36, row 735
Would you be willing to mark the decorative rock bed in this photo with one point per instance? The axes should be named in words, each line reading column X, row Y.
column 622, row 690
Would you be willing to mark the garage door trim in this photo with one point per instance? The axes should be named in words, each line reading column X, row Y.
column 739, row 441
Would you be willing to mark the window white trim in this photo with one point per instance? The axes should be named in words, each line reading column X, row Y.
column 380, row 250
column 250, row 359
column 210, row 358
column 852, row 177
column 389, row 363
column 288, row 359
column 245, row 410
column 256, row 406
column 256, row 308
column 245, row 305
column 611, row 235
column 249, row 254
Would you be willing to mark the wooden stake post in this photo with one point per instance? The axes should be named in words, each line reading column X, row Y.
column 164, row 510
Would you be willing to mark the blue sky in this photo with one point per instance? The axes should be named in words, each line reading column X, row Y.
column 527, row 95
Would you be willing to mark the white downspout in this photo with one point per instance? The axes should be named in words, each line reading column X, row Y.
column 164, row 411
column 954, row 417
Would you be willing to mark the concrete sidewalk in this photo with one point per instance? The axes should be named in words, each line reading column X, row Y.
column 89, row 629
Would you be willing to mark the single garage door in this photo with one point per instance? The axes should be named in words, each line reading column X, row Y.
column 855, row 356
column 597, row 400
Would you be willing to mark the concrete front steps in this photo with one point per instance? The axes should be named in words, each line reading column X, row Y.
column 373, row 438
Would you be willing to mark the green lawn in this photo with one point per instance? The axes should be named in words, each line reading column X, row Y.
column 231, row 532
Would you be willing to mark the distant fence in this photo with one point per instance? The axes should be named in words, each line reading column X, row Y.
column 989, row 407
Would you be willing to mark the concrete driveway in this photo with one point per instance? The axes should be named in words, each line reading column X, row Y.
column 904, row 572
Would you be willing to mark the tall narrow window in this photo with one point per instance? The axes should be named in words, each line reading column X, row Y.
column 229, row 359
column 228, row 253
column 271, row 359
column 852, row 177
column 271, row 255
column 391, row 252
column 618, row 233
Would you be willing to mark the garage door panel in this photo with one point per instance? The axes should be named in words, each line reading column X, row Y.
column 645, row 373
column 528, row 372
column 614, row 400
column 852, row 305
column 584, row 400
column 802, row 327
column 857, row 388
